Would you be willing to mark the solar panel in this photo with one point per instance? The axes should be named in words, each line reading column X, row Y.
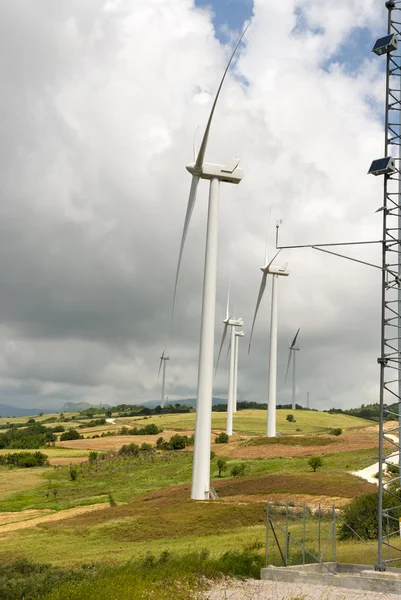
column 382, row 166
column 385, row 44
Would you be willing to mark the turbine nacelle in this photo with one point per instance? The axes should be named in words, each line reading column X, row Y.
column 234, row 322
column 239, row 333
column 268, row 269
column 230, row 173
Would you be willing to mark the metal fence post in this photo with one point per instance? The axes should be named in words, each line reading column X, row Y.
column 267, row 533
column 286, row 533
column 318, row 536
column 334, row 534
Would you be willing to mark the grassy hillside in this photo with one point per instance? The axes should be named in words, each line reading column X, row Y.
column 253, row 422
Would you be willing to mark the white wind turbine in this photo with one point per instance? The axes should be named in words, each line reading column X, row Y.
column 215, row 174
column 163, row 360
column 292, row 355
column 233, row 323
column 271, row 400
column 238, row 334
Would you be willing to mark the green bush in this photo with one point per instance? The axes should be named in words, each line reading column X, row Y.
column 70, row 434
column 238, row 469
column 221, row 465
column 222, row 438
column 335, row 431
column 290, row 418
column 32, row 437
column 73, row 472
column 93, row 455
column 361, row 514
column 315, row 462
column 24, row 459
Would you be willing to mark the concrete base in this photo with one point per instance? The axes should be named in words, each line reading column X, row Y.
column 355, row 577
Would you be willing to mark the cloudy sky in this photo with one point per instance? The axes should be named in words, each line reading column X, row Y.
column 100, row 101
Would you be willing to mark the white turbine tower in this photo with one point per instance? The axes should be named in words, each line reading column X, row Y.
column 238, row 334
column 271, row 400
column 292, row 355
column 163, row 360
column 233, row 323
column 215, row 174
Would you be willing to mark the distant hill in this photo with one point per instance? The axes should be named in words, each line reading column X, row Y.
column 13, row 411
column 80, row 406
column 187, row 402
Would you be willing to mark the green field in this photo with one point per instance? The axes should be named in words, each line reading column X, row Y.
column 253, row 422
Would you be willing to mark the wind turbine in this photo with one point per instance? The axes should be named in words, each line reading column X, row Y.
column 271, row 401
column 233, row 323
column 238, row 334
column 163, row 360
column 230, row 173
column 292, row 355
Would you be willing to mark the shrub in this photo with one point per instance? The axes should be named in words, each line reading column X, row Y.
column 129, row 450
column 335, row 431
column 93, row 455
column 361, row 515
column 73, row 472
column 290, row 418
column 24, row 459
column 238, row 469
column 57, row 429
column 70, row 434
column 30, row 437
column 221, row 465
column 315, row 462
column 178, row 442
column 222, row 438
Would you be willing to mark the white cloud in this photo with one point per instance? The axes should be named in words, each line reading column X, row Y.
column 102, row 101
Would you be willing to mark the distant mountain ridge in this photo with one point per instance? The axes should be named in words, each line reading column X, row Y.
column 187, row 402
column 14, row 411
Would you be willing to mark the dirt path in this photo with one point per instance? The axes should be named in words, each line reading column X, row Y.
column 271, row 590
column 12, row 521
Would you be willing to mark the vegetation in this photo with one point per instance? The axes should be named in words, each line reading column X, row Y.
column 315, row 462
column 222, row 438
column 30, row 437
column 151, row 429
column 221, row 465
column 70, row 434
column 290, row 418
column 238, row 469
column 176, row 442
column 164, row 576
column 336, row 431
column 24, row 459
column 361, row 516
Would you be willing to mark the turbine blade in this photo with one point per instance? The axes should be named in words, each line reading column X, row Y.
column 228, row 303
column 260, row 296
column 190, row 208
column 228, row 352
column 288, row 365
column 274, row 257
column 160, row 368
column 201, row 156
column 294, row 341
column 223, row 339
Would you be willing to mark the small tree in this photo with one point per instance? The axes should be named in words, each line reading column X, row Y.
column 73, row 471
column 315, row 462
column 238, row 469
column 70, row 434
column 92, row 456
column 221, row 465
column 290, row 418
column 222, row 438
column 336, row 431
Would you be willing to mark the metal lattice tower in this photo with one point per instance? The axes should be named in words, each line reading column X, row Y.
column 390, row 355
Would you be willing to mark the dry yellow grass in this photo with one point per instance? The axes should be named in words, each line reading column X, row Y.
column 18, row 480
column 116, row 441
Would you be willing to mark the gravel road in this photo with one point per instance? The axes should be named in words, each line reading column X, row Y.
column 270, row 590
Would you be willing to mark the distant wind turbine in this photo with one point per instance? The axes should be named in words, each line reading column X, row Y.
column 232, row 323
column 271, row 403
column 230, row 173
column 163, row 360
column 238, row 334
column 292, row 356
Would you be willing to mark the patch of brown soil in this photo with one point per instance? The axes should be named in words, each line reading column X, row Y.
column 30, row 518
column 347, row 442
column 114, row 442
column 312, row 502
